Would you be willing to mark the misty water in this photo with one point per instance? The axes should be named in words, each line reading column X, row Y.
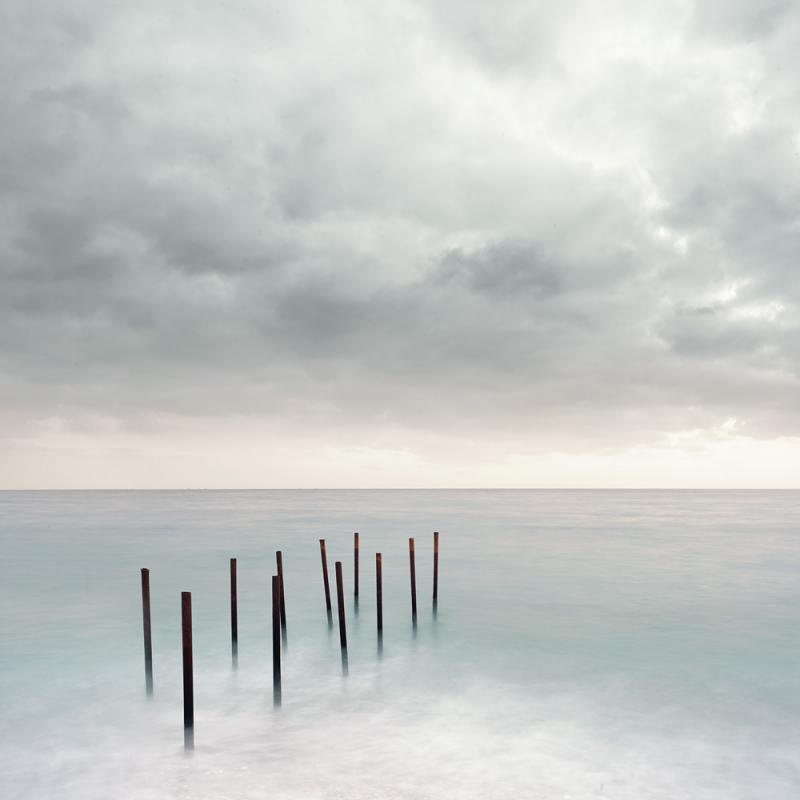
column 587, row 645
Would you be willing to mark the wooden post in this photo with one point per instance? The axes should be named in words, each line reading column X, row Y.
column 279, row 557
column 413, row 580
column 276, row 640
column 435, row 568
column 234, row 616
column 355, row 565
column 188, row 672
column 324, row 557
column 148, row 640
column 379, row 591
column 340, row 602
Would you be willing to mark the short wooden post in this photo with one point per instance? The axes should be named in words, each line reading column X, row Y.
column 379, row 591
column 188, row 671
column 435, row 568
column 413, row 580
column 276, row 640
column 324, row 557
column 279, row 557
column 148, row 640
column 355, row 566
column 234, row 616
column 340, row 603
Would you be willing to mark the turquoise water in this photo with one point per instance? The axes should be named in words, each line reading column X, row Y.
column 587, row 645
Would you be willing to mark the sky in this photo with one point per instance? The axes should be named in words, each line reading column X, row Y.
column 326, row 244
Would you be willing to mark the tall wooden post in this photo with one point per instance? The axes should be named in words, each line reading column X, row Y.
column 234, row 616
column 340, row 603
column 148, row 640
column 188, row 671
column 279, row 557
column 276, row 640
column 355, row 566
column 379, row 591
column 324, row 557
column 435, row 568
column 413, row 580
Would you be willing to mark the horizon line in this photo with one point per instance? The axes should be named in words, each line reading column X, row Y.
column 417, row 489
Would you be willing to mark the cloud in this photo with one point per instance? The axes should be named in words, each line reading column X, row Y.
column 519, row 226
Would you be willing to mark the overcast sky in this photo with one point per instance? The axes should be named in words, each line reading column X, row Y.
column 366, row 243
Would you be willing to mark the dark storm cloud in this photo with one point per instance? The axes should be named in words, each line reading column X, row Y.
column 560, row 222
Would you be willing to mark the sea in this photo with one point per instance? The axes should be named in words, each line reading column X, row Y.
column 635, row 645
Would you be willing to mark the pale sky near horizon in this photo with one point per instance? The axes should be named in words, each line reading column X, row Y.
column 310, row 244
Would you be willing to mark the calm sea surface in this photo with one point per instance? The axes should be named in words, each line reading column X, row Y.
column 620, row 644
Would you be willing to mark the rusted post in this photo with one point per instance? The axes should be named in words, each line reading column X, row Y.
column 340, row 603
column 276, row 640
column 324, row 557
column 148, row 640
column 188, row 672
column 435, row 568
column 234, row 616
column 355, row 566
column 279, row 557
column 379, row 591
column 413, row 580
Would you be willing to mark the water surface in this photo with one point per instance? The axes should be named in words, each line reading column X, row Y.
column 587, row 645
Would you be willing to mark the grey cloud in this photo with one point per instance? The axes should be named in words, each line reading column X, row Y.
column 709, row 333
column 506, row 35
column 742, row 19
column 306, row 223
column 506, row 269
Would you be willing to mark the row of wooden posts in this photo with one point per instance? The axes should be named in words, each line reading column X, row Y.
column 278, row 621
